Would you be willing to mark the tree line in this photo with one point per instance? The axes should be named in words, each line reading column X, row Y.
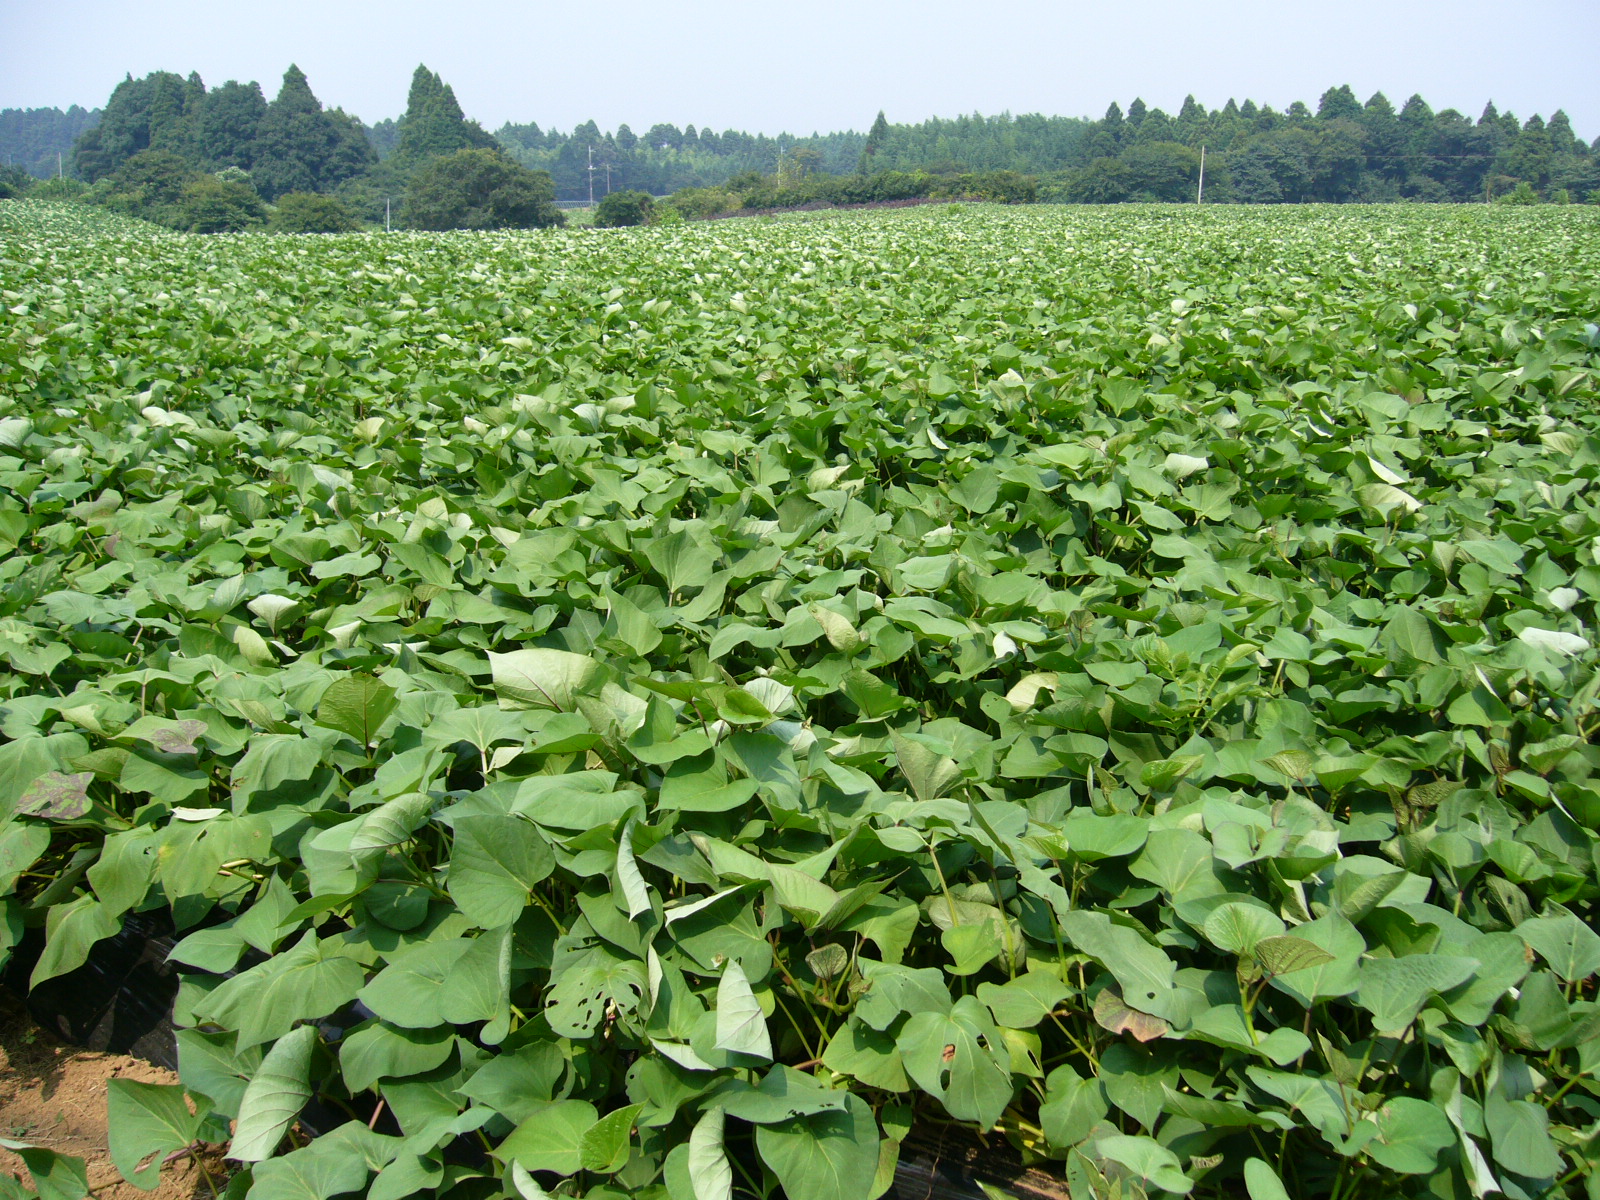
column 1344, row 151
column 168, row 149
column 38, row 141
column 231, row 146
column 666, row 158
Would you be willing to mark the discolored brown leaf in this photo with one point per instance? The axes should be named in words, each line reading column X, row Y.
column 1113, row 1013
column 57, row 797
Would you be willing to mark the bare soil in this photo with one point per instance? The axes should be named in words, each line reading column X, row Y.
column 53, row 1094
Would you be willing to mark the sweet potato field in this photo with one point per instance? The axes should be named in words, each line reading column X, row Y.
column 670, row 714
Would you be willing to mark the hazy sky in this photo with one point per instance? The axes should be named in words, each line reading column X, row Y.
column 823, row 64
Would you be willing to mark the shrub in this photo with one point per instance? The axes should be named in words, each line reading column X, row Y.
column 1002, row 187
column 1523, row 193
column 1593, row 197
column 698, row 203
column 621, row 209
column 308, row 212
column 480, row 189
column 148, row 185
column 211, row 204
column 14, row 182
column 59, row 188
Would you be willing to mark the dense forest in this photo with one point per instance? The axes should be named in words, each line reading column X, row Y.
column 1344, row 150
column 665, row 158
column 168, row 149
column 39, row 141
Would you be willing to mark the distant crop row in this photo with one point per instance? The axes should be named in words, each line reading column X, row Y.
column 684, row 712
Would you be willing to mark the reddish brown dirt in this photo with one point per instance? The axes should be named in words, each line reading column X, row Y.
column 54, row 1095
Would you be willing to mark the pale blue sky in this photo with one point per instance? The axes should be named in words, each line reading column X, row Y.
column 820, row 65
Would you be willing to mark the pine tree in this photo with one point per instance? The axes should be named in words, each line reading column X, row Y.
column 1562, row 139
column 434, row 123
column 1531, row 156
column 876, row 137
column 301, row 148
column 1339, row 103
column 228, row 125
column 142, row 114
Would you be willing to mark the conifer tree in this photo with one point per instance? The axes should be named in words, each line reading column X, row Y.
column 876, row 137
column 228, row 125
column 301, row 148
column 434, row 124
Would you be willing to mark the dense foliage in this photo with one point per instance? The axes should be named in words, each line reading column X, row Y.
column 613, row 715
column 39, row 140
column 479, row 189
column 1346, row 151
column 433, row 124
column 292, row 144
column 14, row 182
column 667, row 159
column 307, row 212
column 621, row 209
column 160, row 187
column 753, row 192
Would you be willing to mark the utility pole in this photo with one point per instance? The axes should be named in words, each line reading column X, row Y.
column 591, row 176
column 1200, row 196
column 59, row 173
column 386, row 214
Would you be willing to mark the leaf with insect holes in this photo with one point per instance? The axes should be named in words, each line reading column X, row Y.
column 57, row 797
column 959, row 1059
column 146, row 1120
column 1111, row 1013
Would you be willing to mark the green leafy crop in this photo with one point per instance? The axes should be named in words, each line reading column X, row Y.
column 676, row 714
